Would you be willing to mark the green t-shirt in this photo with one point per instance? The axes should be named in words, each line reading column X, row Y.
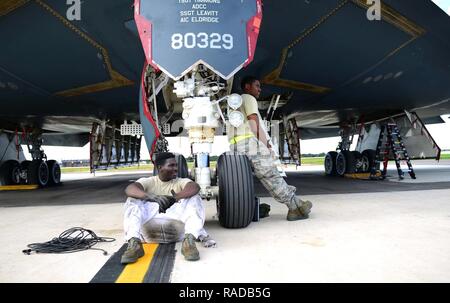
column 154, row 185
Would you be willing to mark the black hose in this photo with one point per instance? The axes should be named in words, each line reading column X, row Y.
column 72, row 240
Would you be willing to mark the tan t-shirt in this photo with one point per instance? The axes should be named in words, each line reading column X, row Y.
column 249, row 106
column 154, row 185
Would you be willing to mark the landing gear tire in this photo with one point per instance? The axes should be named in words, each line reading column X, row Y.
column 236, row 200
column 38, row 173
column 10, row 173
column 368, row 159
column 357, row 158
column 214, row 177
column 183, row 171
column 54, row 172
column 330, row 163
column 345, row 163
column 24, row 171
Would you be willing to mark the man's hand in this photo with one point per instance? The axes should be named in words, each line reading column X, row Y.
column 151, row 197
column 164, row 202
column 174, row 195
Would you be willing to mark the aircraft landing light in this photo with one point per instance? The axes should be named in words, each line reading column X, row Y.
column 154, row 267
column 18, row 187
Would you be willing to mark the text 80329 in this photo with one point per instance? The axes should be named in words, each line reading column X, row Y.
column 202, row 40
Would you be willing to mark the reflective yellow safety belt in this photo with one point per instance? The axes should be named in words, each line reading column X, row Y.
column 240, row 138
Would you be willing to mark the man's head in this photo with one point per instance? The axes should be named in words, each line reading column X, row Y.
column 167, row 166
column 251, row 85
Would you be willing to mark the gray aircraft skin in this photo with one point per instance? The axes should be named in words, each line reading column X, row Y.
column 335, row 65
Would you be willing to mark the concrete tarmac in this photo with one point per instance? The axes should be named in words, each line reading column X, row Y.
column 358, row 231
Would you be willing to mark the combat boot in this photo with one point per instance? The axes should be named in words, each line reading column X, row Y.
column 134, row 251
column 188, row 248
column 301, row 212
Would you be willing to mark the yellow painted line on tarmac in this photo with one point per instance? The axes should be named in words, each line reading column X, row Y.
column 18, row 187
column 358, row 176
column 363, row 176
column 135, row 272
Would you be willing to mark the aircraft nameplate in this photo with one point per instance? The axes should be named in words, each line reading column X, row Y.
column 178, row 34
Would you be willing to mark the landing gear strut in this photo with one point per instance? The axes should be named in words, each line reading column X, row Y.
column 39, row 171
column 202, row 92
column 343, row 161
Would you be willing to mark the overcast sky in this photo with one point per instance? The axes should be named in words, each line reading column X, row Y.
column 444, row 4
column 440, row 132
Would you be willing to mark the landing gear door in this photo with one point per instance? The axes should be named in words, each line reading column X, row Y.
column 179, row 34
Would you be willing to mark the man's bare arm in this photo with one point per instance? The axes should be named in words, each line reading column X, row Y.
column 136, row 190
column 190, row 190
column 255, row 127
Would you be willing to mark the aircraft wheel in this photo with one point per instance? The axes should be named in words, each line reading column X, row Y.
column 365, row 164
column 236, row 200
column 54, row 172
column 183, row 171
column 214, row 176
column 330, row 163
column 10, row 173
column 357, row 158
column 345, row 163
column 24, row 171
column 368, row 158
column 38, row 173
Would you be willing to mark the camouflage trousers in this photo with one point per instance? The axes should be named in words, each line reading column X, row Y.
column 266, row 171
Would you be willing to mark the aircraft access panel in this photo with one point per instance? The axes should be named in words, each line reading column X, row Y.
column 178, row 34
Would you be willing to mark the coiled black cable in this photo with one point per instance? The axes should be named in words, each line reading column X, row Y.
column 72, row 240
